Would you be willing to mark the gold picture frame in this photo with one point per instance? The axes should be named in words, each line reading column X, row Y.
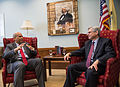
column 63, row 17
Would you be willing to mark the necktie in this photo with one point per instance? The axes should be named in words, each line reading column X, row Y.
column 90, row 54
column 23, row 57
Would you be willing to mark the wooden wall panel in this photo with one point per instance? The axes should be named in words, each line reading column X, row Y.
column 56, row 64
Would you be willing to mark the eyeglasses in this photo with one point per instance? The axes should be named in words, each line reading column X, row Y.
column 20, row 36
column 91, row 32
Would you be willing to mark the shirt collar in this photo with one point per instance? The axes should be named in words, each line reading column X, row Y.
column 17, row 44
column 95, row 41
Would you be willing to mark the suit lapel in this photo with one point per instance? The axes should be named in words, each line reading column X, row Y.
column 14, row 45
column 98, row 46
column 26, row 50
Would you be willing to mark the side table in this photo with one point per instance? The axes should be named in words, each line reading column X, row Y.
column 49, row 59
column 0, row 61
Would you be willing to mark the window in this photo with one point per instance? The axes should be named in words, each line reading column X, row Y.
column 1, row 28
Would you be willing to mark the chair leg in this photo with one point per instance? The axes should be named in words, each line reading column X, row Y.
column 8, row 84
column 4, row 85
column 117, row 84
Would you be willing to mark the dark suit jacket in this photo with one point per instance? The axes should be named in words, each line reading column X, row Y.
column 65, row 18
column 104, row 50
column 11, row 56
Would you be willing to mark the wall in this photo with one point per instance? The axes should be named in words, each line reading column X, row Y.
column 16, row 11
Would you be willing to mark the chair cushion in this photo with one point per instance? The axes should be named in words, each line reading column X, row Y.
column 26, row 73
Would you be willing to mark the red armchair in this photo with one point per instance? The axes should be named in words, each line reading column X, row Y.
column 111, row 76
column 8, row 77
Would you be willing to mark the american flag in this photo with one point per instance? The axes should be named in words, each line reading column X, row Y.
column 104, row 16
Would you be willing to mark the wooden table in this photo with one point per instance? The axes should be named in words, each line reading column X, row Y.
column 49, row 59
column 0, row 61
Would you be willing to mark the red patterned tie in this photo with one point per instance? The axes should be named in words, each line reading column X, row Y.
column 90, row 55
column 23, row 57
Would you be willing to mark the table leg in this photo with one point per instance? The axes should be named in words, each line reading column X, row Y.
column 45, row 73
column 49, row 63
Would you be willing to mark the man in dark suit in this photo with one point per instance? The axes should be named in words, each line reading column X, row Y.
column 101, row 50
column 65, row 17
column 16, row 62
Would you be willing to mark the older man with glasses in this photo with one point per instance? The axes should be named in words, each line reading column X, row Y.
column 97, row 51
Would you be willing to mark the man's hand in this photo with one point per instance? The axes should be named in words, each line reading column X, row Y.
column 30, row 47
column 19, row 47
column 94, row 65
column 67, row 56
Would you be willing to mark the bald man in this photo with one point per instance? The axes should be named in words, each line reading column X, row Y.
column 15, row 62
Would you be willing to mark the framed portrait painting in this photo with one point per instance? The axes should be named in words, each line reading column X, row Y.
column 63, row 17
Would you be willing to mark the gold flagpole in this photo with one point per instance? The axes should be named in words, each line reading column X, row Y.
column 112, row 11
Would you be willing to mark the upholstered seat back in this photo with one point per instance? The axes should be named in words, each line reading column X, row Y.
column 30, row 40
column 113, row 35
column 81, row 39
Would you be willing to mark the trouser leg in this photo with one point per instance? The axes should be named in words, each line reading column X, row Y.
column 92, row 75
column 91, row 78
column 73, row 71
column 36, row 64
column 19, row 70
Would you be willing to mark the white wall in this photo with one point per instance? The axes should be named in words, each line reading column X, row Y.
column 16, row 11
